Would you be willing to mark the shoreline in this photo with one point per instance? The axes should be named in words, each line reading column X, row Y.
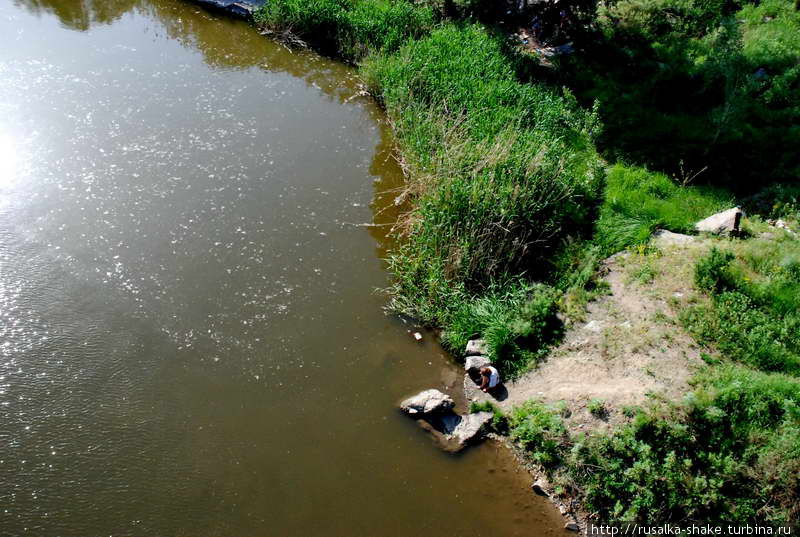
column 570, row 515
column 242, row 9
column 506, row 175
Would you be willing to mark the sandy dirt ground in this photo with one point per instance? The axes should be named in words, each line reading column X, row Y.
column 629, row 348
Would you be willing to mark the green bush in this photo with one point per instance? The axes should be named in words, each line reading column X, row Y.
column 709, row 460
column 712, row 272
column 697, row 86
column 499, row 170
column 597, row 408
column 754, row 314
column 462, row 8
column 518, row 323
column 348, row 28
column 648, row 21
column 776, row 201
column 539, row 430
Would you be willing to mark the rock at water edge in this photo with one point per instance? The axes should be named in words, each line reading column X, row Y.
column 540, row 487
column 470, row 426
column 476, row 347
column 476, row 362
column 427, row 402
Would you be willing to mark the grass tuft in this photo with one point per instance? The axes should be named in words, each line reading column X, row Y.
column 637, row 202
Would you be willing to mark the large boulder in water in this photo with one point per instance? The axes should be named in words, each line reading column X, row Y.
column 427, row 402
column 453, row 432
column 470, row 426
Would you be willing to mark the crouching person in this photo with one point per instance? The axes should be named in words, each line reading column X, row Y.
column 490, row 378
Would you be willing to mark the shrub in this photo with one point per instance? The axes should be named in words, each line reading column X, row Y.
column 518, row 324
column 646, row 21
column 462, row 8
column 776, row 201
column 705, row 460
column 712, row 272
column 348, row 28
column 597, row 408
column 539, row 430
column 698, row 85
column 754, row 314
column 499, row 170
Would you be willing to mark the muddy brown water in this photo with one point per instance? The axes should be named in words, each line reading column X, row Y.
column 190, row 341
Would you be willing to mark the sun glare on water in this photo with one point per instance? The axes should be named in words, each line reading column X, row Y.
column 8, row 160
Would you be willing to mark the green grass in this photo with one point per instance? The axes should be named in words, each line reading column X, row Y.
column 507, row 188
column 708, row 459
column 519, row 323
column 498, row 170
column 637, row 202
column 754, row 313
column 350, row 29
column 728, row 453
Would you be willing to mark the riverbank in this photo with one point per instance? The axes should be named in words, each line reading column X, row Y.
column 513, row 209
column 687, row 388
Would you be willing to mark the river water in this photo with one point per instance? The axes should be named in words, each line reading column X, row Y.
column 190, row 339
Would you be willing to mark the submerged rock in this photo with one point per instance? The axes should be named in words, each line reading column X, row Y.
column 476, row 347
column 433, row 411
column 540, row 487
column 724, row 222
column 458, row 430
column 476, row 362
column 240, row 8
column 453, row 432
column 427, row 402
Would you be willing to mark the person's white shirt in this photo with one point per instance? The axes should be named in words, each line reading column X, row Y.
column 494, row 377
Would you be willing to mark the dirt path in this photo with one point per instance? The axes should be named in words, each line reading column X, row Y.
column 630, row 346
